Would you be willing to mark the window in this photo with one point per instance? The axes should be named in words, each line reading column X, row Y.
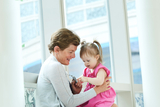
column 89, row 19
column 30, row 32
column 133, row 32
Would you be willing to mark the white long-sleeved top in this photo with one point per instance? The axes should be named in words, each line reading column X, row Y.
column 53, row 88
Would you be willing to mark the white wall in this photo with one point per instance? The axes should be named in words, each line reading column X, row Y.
column 148, row 14
column 11, row 73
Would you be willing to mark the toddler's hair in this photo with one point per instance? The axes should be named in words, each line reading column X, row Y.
column 92, row 49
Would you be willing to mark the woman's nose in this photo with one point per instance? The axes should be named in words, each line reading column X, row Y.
column 73, row 56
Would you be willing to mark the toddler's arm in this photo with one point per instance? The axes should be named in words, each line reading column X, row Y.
column 80, row 77
column 99, row 80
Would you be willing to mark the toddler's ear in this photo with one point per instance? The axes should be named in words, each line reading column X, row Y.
column 97, row 57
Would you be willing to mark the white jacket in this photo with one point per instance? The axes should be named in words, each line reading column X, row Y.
column 53, row 88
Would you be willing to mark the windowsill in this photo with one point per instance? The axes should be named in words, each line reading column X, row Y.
column 30, row 80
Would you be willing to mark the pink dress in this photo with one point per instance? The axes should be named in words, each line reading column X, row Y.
column 105, row 99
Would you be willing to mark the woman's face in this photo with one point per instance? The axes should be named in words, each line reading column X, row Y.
column 66, row 55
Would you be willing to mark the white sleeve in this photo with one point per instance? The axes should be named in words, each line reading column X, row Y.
column 60, row 83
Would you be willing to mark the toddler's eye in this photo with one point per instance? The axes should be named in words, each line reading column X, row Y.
column 88, row 60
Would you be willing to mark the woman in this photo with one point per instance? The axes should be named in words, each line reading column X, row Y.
column 53, row 87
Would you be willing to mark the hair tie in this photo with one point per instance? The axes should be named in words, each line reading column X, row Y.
column 96, row 44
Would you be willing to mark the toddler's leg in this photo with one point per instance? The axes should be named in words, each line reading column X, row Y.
column 105, row 104
column 114, row 105
column 101, row 105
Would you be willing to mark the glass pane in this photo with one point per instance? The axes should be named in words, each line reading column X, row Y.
column 30, row 33
column 36, row 7
column 26, row 9
column 131, row 5
column 94, row 26
column 133, row 32
column 30, row 94
column 29, row 30
column 90, row 1
column 72, row 3
column 75, row 17
column 96, row 12
column 139, row 100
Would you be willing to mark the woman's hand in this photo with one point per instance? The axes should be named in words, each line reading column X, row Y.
column 76, row 87
column 104, row 87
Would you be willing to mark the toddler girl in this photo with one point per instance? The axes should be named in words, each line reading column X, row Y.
column 95, row 74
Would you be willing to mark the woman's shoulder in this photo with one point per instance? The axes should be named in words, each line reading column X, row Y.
column 52, row 64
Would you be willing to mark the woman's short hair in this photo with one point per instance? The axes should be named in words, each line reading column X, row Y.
column 63, row 38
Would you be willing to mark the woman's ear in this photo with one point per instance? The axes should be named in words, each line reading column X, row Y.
column 56, row 49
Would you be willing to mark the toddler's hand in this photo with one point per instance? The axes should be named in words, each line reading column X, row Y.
column 83, row 79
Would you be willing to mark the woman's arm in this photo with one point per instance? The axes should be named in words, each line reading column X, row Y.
column 99, row 80
column 62, row 89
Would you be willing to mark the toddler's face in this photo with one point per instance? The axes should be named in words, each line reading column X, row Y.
column 90, row 61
